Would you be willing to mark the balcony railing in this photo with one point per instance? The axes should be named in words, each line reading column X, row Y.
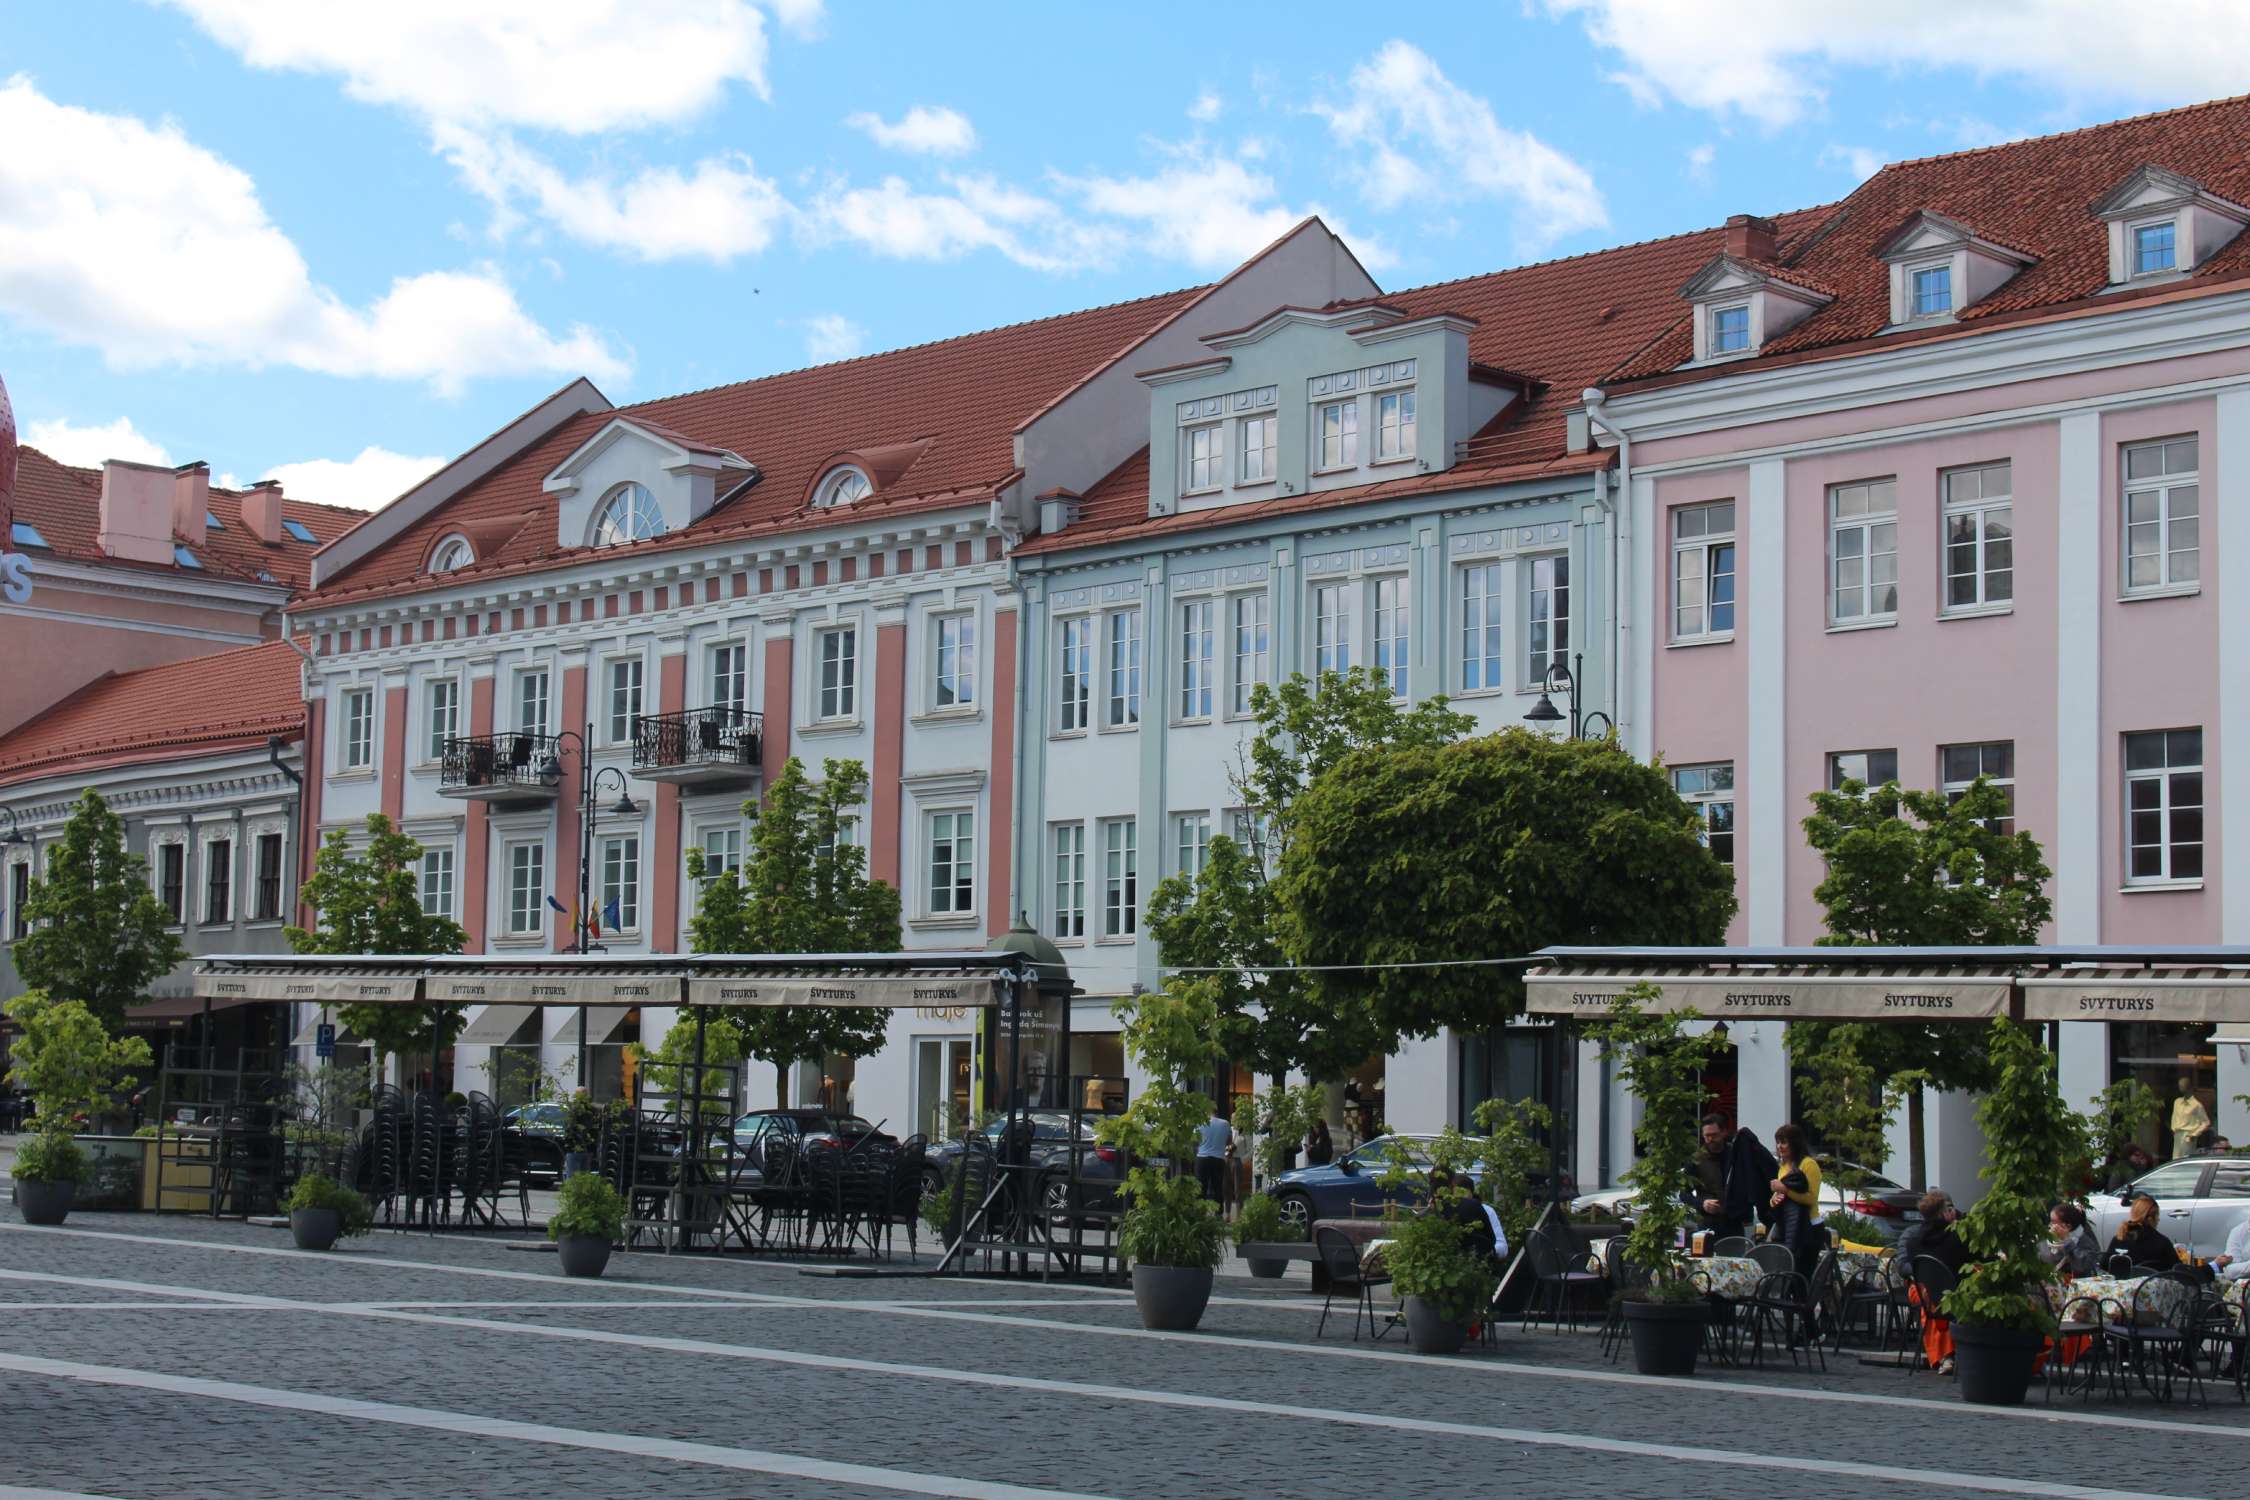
column 721, row 743
column 500, row 766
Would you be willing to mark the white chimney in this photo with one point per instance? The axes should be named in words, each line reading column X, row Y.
column 261, row 511
column 136, row 512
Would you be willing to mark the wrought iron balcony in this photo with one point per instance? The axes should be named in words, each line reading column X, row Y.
column 698, row 747
column 504, row 767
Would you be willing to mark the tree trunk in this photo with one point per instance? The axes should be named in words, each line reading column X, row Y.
column 781, row 1085
column 1917, row 1172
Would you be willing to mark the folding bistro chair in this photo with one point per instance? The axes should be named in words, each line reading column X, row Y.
column 1348, row 1272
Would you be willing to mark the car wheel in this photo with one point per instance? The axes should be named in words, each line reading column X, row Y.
column 933, row 1183
column 1297, row 1212
column 1055, row 1196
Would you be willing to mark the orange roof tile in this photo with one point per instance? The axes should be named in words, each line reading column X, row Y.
column 229, row 699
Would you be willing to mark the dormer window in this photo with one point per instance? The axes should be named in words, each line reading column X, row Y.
column 2154, row 247
column 2163, row 225
column 1730, row 329
column 1743, row 305
column 1933, row 290
column 1394, row 425
column 452, row 554
column 843, row 487
column 627, row 514
column 1206, row 454
column 1940, row 266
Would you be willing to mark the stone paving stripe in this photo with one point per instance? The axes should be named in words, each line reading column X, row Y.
column 465, row 1424
column 19, row 1492
column 1582, row 1442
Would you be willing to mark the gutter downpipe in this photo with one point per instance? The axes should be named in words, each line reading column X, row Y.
column 1621, row 510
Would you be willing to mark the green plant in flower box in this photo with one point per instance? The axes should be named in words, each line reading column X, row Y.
column 53, row 1156
column 1663, row 1063
column 1432, row 1255
column 587, row 1206
column 1261, row 1223
column 315, row 1191
column 2027, row 1130
column 1167, row 1220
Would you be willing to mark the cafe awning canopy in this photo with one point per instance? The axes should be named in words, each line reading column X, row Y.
column 2098, row 983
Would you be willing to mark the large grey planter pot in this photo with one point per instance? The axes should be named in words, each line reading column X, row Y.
column 583, row 1254
column 315, row 1228
column 1432, row 1332
column 45, row 1202
column 1667, row 1336
column 1171, row 1298
column 1994, row 1365
column 1264, row 1269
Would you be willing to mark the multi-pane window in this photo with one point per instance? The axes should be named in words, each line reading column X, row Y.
column 1070, row 880
column 954, row 638
column 1863, row 551
column 1206, row 458
column 1483, row 633
column 730, row 676
column 825, row 844
column 2163, row 513
column 1198, row 667
column 1960, row 765
column 1337, row 426
column 1253, row 832
column 1259, row 435
column 444, row 716
column 437, row 882
column 359, row 729
column 218, row 881
column 1121, row 877
column 1123, row 701
column 2155, row 248
column 624, row 699
column 1390, row 643
column 531, row 702
column 1075, row 691
column 838, row 696
column 1869, row 768
column 621, row 882
column 1252, row 639
column 171, row 879
column 1193, row 841
column 1394, row 425
column 1933, row 291
column 1730, row 329
column 527, row 889
column 268, row 906
column 1703, row 571
column 1980, row 538
column 722, row 852
column 1332, row 628
column 19, row 895
column 2164, row 805
column 1547, row 621
column 953, row 864
column 1709, row 789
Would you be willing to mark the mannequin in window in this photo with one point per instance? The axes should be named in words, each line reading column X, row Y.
column 2189, row 1120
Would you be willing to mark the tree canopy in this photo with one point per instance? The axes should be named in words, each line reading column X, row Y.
column 1484, row 849
column 97, row 933
column 371, row 902
column 803, row 888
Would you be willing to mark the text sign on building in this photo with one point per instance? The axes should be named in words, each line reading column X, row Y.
column 15, row 578
column 1820, row 997
column 554, row 989
column 2109, row 998
column 317, row 989
column 863, row 991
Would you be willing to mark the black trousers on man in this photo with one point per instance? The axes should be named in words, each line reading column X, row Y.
column 1211, row 1174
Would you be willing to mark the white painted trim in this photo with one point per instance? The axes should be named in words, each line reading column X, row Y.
column 1640, row 668
column 2078, row 679
column 2231, row 497
column 201, row 587
column 1766, row 620
column 146, row 627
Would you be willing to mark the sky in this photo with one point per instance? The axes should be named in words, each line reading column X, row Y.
column 339, row 243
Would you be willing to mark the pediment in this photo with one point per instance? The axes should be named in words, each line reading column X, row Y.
column 2148, row 188
column 1724, row 274
column 665, row 449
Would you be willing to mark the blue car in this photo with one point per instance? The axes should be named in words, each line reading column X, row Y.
column 1351, row 1186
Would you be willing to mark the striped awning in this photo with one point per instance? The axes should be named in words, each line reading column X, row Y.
column 2192, row 995
column 1776, row 993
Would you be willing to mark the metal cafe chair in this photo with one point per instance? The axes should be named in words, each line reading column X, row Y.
column 1554, row 1282
column 1347, row 1272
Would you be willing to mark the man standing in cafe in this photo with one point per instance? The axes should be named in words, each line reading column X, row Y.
column 1729, row 1168
column 1214, row 1143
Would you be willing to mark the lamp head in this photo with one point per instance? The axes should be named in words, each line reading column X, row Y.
column 1543, row 712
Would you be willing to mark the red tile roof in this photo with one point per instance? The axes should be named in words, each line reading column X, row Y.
column 229, row 700
column 963, row 396
column 2033, row 196
column 65, row 504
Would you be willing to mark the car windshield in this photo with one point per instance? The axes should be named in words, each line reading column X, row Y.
column 849, row 1125
column 1870, row 1181
column 1376, row 1153
column 1044, row 1126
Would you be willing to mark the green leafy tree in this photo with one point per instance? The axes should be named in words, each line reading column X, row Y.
column 67, row 1061
column 1488, row 848
column 97, row 932
column 1278, row 1120
column 1917, row 868
column 1169, row 1032
column 1662, row 1063
column 370, row 902
column 1225, row 922
column 1512, row 1149
column 2120, row 1113
column 2031, row 1138
column 804, row 888
column 1847, row 1103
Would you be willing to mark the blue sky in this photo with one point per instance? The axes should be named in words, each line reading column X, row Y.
column 341, row 242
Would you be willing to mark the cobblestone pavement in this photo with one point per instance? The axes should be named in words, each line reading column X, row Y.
column 160, row 1358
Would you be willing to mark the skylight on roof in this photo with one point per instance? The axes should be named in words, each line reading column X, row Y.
column 24, row 534
column 185, row 558
column 212, row 522
column 297, row 530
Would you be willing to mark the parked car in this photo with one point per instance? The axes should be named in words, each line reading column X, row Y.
column 1889, row 1206
column 811, row 1127
column 1100, row 1168
column 536, row 1132
column 2199, row 1200
column 1351, row 1185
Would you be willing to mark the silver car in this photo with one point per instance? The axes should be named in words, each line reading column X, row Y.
column 1887, row 1205
column 2199, row 1201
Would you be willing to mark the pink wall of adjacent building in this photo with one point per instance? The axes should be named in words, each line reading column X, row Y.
column 107, row 633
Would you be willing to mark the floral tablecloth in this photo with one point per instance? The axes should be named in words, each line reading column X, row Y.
column 2236, row 1295
column 1853, row 1265
column 1732, row 1276
column 2147, row 1299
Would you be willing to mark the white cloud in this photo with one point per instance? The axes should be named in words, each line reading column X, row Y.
column 135, row 241
column 900, row 221
column 1699, row 159
column 87, row 447
column 1203, row 208
column 832, row 336
column 1764, row 59
column 1206, row 107
column 581, row 68
column 925, row 130
column 1862, row 162
column 373, row 479
column 1423, row 137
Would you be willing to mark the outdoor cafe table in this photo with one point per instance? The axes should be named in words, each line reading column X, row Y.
column 1732, row 1278
column 2155, row 1299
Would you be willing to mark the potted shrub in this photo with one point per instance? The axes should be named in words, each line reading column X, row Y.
column 1663, row 1064
column 1170, row 1233
column 1999, row 1310
column 70, row 1066
column 1260, row 1224
column 582, row 1133
column 321, row 1210
column 589, row 1218
column 48, row 1171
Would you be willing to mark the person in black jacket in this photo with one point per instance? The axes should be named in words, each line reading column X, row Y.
column 1320, row 1147
column 1732, row 1171
column 1935, row 1235
column 2139, row 1238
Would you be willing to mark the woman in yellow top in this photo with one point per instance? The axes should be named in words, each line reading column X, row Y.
column 1793, row 1211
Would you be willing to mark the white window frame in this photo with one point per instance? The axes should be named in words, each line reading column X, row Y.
column 1066, row 846
column 728, row 856
column 1335, row 633
column 2164, row 489
column 1482, row 589
column 1390, row 622
column 1915, row 311
column 617, row 865
column 1866, row 532
column 1981, row 512
column 2166, row 800
column 1258, row 446
column 17, row 895
column 525, row 677
column 255, row 911
column 1191, row 842
column 1708, row 786
column 355, row 731
column 1343, row 438
column 955, row 907
column 175, row 916
column 1121, row 874
column 1543, row 612
column 1199, row 661
column 953, row 662
column 440, row 722
column 1122, row 668
column 1836, row 776
column 1249, row 624
column 613, row 691
column 1203, row 458
column 211, row 864
column 1953, row 784
column 1397, row 425
column 1715, row 339
column 726, row 675
column 835, row 702
column 1698, row 549
column 1074, row 674
column 2133, row 232
column 514, row 891
column 433, row 881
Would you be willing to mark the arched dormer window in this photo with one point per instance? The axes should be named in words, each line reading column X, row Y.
column 629, row 514
column 844, row 486
column 451, row 555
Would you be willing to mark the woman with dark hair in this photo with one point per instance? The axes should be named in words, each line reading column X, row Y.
column 1320, row 1147
column 2139, row 1238
column 1793, row 1210
column 2070, row 1246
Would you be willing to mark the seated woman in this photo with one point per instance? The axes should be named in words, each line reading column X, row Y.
column 1936, row 1236
column 2140, row 1239
column 2070, row 1246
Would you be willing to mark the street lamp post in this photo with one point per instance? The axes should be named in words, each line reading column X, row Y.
column 591, row 779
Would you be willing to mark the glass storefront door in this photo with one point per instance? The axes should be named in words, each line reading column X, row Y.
column 944, row 1078
column 2179, row 1062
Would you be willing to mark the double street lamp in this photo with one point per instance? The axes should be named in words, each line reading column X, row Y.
column 591, row 780
column 1562, row 679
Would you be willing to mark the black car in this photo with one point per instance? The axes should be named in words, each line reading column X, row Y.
column 535, row 1133
column 1100, row 1168
column 809, row 1127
